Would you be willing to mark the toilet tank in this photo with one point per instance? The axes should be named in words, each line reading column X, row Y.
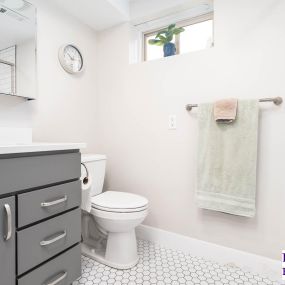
column 96, row 166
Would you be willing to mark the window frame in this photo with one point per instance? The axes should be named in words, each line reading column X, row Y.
column 179, row 24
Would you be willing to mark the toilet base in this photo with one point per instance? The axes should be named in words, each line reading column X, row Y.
column 110, row 238
column 90, row 252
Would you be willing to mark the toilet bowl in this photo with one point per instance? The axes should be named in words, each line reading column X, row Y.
column 114, row 216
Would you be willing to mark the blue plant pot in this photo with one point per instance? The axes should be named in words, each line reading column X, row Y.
column 169, row 49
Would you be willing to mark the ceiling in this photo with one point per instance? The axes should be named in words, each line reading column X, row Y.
column 98, row 14
column 16, row 27
column 104, row 14
column 147, row 10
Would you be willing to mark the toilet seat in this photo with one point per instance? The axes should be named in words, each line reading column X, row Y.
column 118, row 216
column 119, row 202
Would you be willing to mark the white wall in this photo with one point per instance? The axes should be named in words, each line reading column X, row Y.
column 65, row 103
column 15, row 112
column 144, row 157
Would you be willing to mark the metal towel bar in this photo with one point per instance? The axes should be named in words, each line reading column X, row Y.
column 275, row 100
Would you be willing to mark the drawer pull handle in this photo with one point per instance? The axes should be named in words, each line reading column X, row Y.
column 8, row 233
column 60, row 278
column 52, row 203
column 53, row 240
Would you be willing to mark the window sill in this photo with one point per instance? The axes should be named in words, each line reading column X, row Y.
column 171, row 58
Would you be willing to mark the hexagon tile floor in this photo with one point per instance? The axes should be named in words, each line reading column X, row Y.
column 160, row 266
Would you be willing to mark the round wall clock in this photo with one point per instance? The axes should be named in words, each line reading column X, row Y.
column 70, row 59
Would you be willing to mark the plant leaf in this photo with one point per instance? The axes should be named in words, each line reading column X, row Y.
column 171, row 27
column 163, row 39
column 169, row 36
column 160, row 33
column 155, row 42
column 177, row 31
column 166, row 36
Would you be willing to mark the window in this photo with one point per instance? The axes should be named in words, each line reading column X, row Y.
column 198, row 35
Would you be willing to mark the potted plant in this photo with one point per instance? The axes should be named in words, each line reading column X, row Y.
column 164, row 38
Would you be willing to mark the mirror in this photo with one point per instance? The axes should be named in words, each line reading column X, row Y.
column 17, row 48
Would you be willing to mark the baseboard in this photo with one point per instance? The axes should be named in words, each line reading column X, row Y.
column 224, row 255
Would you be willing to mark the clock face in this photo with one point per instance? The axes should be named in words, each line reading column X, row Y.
column 71, row 59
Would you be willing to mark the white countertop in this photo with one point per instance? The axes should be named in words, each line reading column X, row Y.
column 38, row 147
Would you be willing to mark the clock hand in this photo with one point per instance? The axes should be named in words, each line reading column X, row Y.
column 72, row 58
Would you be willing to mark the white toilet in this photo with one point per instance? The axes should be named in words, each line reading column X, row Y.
column 109, row 229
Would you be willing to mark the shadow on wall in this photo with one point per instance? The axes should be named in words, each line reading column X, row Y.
column 16, row 112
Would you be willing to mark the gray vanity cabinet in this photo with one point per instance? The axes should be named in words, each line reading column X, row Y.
column 7, row 241
column 40, row 218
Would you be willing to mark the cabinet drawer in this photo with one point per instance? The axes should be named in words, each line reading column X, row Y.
column 20, row 173
column 37, row 205
column 38, row 243
column 65, row 269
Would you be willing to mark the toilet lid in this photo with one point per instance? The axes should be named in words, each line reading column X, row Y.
column 119, row 201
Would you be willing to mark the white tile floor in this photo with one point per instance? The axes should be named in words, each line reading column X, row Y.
column 160, row 266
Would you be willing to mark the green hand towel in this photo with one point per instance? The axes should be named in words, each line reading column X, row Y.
column 227, row 159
